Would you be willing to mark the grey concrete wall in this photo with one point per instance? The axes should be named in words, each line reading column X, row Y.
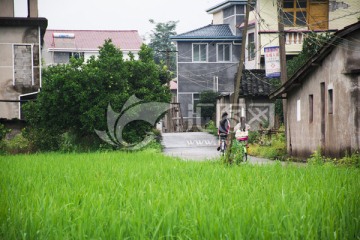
column 16, row 64
column 195, row 77
column 342, row 126
column 198, row 77
column 185, row 100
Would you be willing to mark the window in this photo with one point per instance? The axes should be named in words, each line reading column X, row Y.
column 294, row 12
column 298, row 110
column 61, row 57
column 64, row 57
column 251, row 47
column 311, row 108
column 330, row 101
column 77, row 55
column 199, row 52
column 228, row 12
column 240, row 9
column 311, row 13
column 224, row 52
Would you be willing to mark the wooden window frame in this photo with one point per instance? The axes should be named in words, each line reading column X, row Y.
column 294, row 10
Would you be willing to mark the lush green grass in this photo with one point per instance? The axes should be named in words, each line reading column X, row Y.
column 145, row 195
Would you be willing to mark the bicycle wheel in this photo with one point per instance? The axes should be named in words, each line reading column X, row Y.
column 223, row 147
column 245, row 153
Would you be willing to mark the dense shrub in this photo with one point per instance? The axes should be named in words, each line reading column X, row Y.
column 3, row 131
column 267, row 146
column 352, row 160
column 208, row 104
column 16, row 145
column 75, row 98
column 312, row 44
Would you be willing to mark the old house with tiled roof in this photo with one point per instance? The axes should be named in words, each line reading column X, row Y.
column 323, row 99
column 254, row 103
column 61, row 45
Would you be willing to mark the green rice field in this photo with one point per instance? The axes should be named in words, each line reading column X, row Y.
column 146, row 195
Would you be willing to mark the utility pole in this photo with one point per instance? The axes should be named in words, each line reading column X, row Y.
column 283, row 70
column 168, row 58
column 238, row 77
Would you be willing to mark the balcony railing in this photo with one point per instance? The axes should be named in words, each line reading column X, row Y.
column 294, row 38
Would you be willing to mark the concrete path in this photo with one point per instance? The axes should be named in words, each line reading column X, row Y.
column 198, row 146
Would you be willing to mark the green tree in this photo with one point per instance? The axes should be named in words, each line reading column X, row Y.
column 75, row 96
column 164, row 49
column 276, row 82
column 208, row 102
column 312, row 44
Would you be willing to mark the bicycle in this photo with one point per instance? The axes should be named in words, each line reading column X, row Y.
column 223, row 144
column 241, row 139
column 243, row 146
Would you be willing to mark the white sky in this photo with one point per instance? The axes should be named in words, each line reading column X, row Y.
column 120, row 14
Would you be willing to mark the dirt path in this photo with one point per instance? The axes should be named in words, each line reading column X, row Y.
column 198, row 146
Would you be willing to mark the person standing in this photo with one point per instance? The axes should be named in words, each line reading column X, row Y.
column 224, row 128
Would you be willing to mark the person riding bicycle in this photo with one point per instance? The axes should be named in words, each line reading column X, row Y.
column 242, row 136
column 242, row 133
column 224, row 128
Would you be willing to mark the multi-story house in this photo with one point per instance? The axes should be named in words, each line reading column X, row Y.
column 61, row 45
column 208, row 57
column 199, row 67
column 20, row 57
column 300, row 17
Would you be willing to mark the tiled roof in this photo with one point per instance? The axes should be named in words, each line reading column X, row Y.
column 212, row 31
column 92, row 39
column 254, row 83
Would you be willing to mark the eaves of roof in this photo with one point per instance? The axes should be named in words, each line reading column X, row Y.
column 27, row 22
column 314, row 61
column 191, row 39
column 225, row 4
column 19, row 22
column 83, row 50
column 255, row 84
column 209, row 32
